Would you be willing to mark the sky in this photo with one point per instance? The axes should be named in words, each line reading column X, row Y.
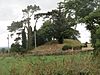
column 11, row 10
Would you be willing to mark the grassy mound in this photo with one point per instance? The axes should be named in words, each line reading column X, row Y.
column 54, row 46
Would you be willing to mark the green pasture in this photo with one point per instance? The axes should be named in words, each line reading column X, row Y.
column 36, row 65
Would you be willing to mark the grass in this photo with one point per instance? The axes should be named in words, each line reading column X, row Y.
column 72, row 42
column 48, row 65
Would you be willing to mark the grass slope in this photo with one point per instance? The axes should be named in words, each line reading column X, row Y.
column 54, row 46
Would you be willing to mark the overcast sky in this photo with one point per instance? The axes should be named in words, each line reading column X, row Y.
column 11, row 10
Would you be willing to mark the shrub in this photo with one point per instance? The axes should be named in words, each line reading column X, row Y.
column 15, row 47
column 77, row 48
column 66, row 47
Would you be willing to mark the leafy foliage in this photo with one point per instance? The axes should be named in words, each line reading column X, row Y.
column 80, row 8
column 93, row 25
column 15, row 47
column 97, row 41
column 66, row 47
column 44, row 33
column 30, row 10
column 93, row 22
column 15, row 26
column 59, row 25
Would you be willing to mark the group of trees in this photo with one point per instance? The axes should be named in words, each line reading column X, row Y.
column 22, row 26
column 59, row 26
column 61, row 23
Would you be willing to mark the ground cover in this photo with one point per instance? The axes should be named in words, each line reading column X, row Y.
column 71, row 64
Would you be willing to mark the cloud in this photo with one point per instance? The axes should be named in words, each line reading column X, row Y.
column 12, row 9
column 6, row 14
column 47, row 4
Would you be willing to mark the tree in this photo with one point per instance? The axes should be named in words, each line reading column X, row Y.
column 97, row 44
column 80, row 8
column 93, row 25
column 15, row 26
column 25, row 23
column 85, row 11
column 16, row 47
column 29, row 11
column 96, row 41
column 58, row 25
column 88, row 12
column 43, row 34
column 46, row 30
column 63, row 24
column 24, row 41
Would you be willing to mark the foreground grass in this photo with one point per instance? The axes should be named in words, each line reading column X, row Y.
column 74, row 64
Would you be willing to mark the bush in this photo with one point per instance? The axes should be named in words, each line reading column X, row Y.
column 77, row 48
column 66, row 47
column 16, row 47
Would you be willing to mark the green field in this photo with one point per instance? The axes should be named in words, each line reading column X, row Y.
column 73, row 64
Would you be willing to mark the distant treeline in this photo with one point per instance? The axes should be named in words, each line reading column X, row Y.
column 3, row 49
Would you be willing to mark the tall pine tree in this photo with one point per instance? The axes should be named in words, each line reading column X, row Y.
column 24, row 41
